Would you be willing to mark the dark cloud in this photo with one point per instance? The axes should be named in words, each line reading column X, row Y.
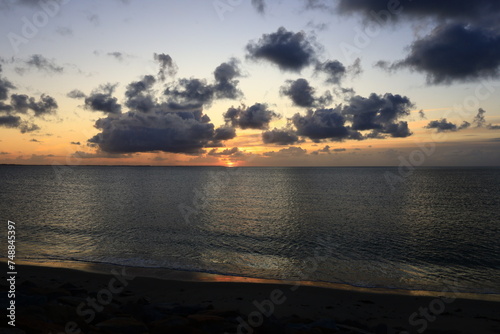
column 280, row 137
column 442, row 10
column 259, row 5
column 76, row 94
column 328, row 150
column 45, row 106
column 379, row 113
column 443, row 125
column 287, row 152
column 167, row 65
column 227, row 152
column 257, row 116
column 21, row 104
column 355, row 69
column 139, row 96
column 75, row 143
column 225, row 85
column 421, row 113
column 334, row 70
column 303, row 95
column 102, row 100
column 195, row 93
column 455, row 52
column 289, row 51
column 163, row 130
column 322, row 124
column 10, row 121
column 189, row 94
column 100, row 154
column 224, row 133
column 26, row 127
column 464, row 46
column 5, row 86
column 479, row 119
column 43, row 64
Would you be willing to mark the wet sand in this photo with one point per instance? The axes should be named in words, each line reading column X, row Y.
column 113, row 299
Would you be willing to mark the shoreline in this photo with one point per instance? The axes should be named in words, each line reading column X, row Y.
column 214, row 300
column 195, row 276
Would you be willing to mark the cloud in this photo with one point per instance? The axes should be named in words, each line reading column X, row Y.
column 257, row 116
column 287, row 152
column 443, row 125
column 5, row 86
column 10, row 121
column 139, row 96
column 35, row 141
column 302, row 94
column 76, row 94
column 355, row 69
column 455, row 52
column 379, row 113
column 328, row 150
column 75, row 143
column 189, row 94
column 334, row 70
column 227, row 152
column 226, row 86
column 322, row 124
column 195, row 93
column 259, row 5
column 480, row 121
column 163, row 130
column 441, row 10
column 43, row 64
column 117, row 55
column 224, row 133
column 463, row 46
column 21, row 104
column 280, row 137
column 99, row 154
column 167, row 65
column 421, row 114
column 45, row 106
column 102, row 100
column 289, row 51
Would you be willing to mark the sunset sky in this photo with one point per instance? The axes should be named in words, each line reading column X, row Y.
column 250, row 83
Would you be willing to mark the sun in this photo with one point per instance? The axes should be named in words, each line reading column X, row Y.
column 229, row 164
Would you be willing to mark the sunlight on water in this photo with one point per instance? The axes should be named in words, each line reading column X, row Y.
column 438, row 228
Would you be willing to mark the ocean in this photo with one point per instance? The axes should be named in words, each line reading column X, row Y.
column 425, row 229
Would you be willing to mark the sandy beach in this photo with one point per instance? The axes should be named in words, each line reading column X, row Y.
column 108, row 299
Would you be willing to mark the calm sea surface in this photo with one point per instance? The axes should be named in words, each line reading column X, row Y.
column 433, row 228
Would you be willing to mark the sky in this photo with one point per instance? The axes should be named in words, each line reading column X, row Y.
column 250, row 83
